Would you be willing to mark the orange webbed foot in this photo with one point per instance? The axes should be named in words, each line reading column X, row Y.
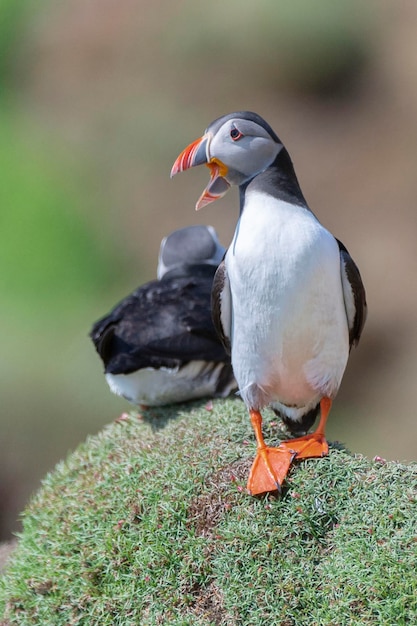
column 313, row 445
column 269, row 470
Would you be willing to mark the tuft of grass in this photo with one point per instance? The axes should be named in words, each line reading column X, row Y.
column 149, row 523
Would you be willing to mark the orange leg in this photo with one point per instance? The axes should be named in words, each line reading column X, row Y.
column 271, row 465
column 314, row 444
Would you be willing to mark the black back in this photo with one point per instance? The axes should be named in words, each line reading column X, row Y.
column 164, row 323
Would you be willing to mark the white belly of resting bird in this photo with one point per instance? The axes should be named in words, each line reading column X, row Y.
column 155, row 387
column 289, row 331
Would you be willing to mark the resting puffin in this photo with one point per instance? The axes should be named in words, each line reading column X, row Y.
column 288, row 300
column 159, row 345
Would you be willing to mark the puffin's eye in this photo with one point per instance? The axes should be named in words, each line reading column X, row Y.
column 235, row 134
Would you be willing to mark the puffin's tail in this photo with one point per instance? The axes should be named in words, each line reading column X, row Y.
column 301, row 426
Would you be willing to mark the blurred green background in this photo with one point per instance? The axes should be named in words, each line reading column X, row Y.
column 97, row 99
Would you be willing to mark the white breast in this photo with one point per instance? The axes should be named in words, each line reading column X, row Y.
column 289, row 331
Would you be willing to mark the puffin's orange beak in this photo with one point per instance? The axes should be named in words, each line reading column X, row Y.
column 194, row 154
column 197, row 154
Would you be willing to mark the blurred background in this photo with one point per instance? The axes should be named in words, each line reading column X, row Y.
column 98, row 97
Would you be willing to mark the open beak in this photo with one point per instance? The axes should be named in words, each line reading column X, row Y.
column 197, row 154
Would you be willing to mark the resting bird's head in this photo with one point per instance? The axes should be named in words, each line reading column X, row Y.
column 236, row 148
column 190, row 252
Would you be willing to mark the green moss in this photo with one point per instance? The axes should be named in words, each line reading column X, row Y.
column 149, row 523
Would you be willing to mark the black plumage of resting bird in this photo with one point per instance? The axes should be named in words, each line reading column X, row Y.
column 159, row 345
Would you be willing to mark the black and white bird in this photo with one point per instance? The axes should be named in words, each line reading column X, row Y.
column 288, row 300
column 159, row 345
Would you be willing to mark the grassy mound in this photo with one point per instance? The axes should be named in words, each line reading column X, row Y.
column 149, row 523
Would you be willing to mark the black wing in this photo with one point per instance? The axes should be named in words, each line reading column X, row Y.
column 221, row 306
column 354, row 295
column 164, row 323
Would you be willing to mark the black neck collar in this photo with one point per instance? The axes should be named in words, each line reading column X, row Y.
column 279, row 180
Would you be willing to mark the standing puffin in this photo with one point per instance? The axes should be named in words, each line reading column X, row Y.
column 288, row 300
column 159, row 345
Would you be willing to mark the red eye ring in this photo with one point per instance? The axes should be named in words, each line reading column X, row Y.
column 235, row 134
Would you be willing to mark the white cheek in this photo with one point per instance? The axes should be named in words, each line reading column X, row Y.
column 249, row 155
column 221, row 147
column 264, row 153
